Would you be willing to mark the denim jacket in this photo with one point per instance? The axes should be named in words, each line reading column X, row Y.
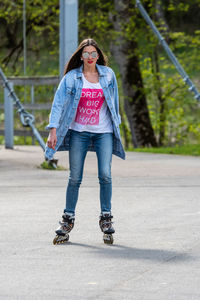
column 66, row 101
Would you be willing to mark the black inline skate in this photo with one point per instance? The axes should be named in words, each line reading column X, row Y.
column 62, row 233
column 105, row 223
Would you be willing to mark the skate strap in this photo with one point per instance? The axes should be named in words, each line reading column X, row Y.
column 106, row 222
column 66, row 225
column 106, row 217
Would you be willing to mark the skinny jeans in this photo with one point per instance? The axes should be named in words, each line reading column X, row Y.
column 78, row 147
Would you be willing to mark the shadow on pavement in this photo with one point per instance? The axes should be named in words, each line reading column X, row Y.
column 124, row 252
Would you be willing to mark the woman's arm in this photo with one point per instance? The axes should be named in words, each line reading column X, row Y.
column 57, row 105
column 116, row 97
column 52, row 138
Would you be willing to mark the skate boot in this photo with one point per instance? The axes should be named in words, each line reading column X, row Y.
column 62, row 233
column 105, row 224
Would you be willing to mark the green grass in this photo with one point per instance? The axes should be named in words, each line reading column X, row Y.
column 181, row 150
column 45, row 165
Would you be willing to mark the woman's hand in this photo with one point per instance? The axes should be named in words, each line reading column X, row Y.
column 52, row 139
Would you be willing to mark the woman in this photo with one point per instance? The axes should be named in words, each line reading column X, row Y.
column 85, row 116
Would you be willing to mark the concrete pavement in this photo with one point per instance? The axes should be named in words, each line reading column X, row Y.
column 156, row 208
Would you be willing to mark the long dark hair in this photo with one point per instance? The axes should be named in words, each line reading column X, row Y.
column 75, row 60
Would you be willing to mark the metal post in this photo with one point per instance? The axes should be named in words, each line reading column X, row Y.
column 24, row 44
column 24, row 34
column 32, row 102
column 68, row 31
column 8, row 123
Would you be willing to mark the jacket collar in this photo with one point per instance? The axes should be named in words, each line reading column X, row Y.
column 100, row 69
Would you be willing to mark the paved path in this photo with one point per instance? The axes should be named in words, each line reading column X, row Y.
column 156, row 207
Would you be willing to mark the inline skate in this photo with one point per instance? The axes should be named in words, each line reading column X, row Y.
column 105, row 223
column 62, row 233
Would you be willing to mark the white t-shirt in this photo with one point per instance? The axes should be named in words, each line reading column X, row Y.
column 92, row 112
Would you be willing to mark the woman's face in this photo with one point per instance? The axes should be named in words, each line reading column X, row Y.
column 89, row 55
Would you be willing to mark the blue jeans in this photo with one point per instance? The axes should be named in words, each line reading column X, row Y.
column 78, row 147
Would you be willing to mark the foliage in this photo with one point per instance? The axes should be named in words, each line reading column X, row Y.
column 181, row 109
column 182, row 16
column 94, row 21
column 42, row 26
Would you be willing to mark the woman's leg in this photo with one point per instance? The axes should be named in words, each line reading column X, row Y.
column 103, row 143
column 77, row 152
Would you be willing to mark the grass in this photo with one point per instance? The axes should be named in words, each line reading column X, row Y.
column 193, row 150
column 45, row 165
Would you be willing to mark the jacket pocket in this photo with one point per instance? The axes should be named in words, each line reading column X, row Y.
column 70, row 91
column 110, row 85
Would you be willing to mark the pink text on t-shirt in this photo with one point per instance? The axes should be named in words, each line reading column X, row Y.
column 89, row 106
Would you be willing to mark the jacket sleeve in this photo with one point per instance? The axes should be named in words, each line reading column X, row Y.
column 57, row 106
column 116, row 97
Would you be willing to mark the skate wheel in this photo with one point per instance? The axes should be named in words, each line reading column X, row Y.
column 108, row 239
column 60, row 239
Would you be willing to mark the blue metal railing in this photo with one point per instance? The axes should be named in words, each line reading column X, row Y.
column 26, row 118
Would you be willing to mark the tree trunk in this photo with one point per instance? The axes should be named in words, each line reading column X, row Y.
column 159, row 15
column 124, row 51
column 161, row 99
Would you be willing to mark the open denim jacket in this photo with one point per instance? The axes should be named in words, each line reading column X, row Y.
column 66, row 101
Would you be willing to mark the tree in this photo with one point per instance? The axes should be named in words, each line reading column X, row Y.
column 41, row 22
column 125, row 50
column 174, row 112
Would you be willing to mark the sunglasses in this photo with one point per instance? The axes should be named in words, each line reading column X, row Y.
column 87, row 54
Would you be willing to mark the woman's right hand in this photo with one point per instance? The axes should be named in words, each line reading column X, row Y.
column 52, row 138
